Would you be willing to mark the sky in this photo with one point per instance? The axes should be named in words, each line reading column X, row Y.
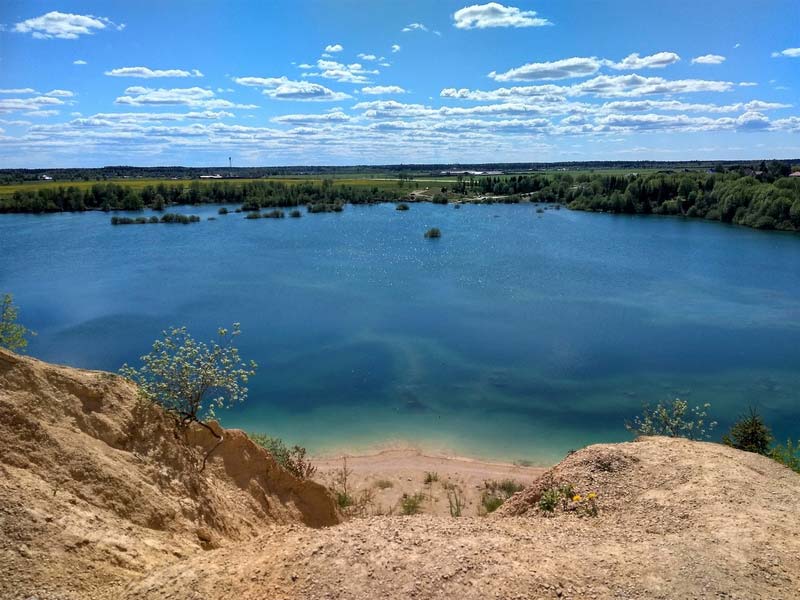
column 85, row 84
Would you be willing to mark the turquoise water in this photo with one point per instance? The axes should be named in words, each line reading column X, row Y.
column 517, row 335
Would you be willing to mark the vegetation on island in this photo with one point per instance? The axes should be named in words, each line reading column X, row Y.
column 165, row 218
column 433, row 232
column 13, row 335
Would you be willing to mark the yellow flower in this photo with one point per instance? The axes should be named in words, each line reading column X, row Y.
column 576, row 498
column 591, row 495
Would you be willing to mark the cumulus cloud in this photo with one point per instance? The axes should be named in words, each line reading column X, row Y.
column 17, row 91
column 33, row 104
column 60, row 93
column 344, row 73
column 65, row 26
column 331, row 117
column 601, row 86
column 708, row 59
column 395, row 48
column 334, row 48
column 789, row 52
column 148, row 73
column 193, row 96
column 377, row 90
column 79, row 62
column 282, row 88
column 493, row 14
column 559, row 69
column 659, row 60
column 368, row 57
column 414, row 27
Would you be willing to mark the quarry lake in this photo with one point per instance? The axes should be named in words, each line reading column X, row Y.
column 517, row 335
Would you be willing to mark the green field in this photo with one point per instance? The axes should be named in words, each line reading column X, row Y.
column 381, row 181
column 8, row 190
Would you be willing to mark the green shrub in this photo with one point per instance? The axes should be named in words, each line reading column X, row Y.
column 455, row 499
column 13, row 335
column 749, row 433
column 383, row 484
column 295, row 214
column 222, row 211
column 433, row 233
column 549, row 500
column 491, row 502
column 292, row 459
column 673, row 419
column 253, row 215
column 431, row 477
column 788, row 455
column 411, row 505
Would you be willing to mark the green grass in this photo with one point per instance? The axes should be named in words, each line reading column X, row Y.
column 8, row 190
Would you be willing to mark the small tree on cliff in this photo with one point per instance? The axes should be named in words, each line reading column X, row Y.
column 191, row 379
column 13, row 336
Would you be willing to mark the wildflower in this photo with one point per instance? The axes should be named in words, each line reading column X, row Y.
column 576, row 498
column 591, row 496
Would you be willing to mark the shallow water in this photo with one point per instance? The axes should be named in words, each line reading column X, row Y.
column 517, row 335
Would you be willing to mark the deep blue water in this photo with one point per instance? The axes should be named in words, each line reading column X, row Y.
column 516, row 335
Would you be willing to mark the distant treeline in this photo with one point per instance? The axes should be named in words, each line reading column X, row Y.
column 11, row 176
column 764, row 197
column 767, row 199
column 252, row 195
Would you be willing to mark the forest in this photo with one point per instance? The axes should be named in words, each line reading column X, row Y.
column 765, row 197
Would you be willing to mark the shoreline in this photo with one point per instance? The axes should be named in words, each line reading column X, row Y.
column 381, row 480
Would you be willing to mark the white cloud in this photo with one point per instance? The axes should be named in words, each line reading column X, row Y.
column 41, row 113
column 790, row 52
column 282, row 88
column 65, row 26
column 331, row 117
column 148, row 73
column 79, row 62
column 414, row 27
column 493, row 14
column 633, row 61
column 193, row 96
column 368, row 57
column 60, row 93
column 602, row 86
column 17, row 91
column 33, row 104
column 352, row 73
column 334, row 48
column 559, row 69
column 395, row 48
column 636, row 85
column 708, row 59
column 747, row 84
column 377, row 90
column 305, row 66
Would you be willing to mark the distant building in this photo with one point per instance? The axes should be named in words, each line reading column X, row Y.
column 45, row 178
column 795, row 174
column 217, row 176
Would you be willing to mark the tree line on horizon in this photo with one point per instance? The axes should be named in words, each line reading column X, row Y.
column 765, row 198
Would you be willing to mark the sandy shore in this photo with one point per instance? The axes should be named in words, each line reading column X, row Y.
column 383, row 477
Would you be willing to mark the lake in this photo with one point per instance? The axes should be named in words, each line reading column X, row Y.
column 517, row 335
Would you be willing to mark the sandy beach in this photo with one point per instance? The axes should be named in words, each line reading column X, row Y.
column 384, row 476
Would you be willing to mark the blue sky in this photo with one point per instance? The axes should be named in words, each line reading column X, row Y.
column 346, row 82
